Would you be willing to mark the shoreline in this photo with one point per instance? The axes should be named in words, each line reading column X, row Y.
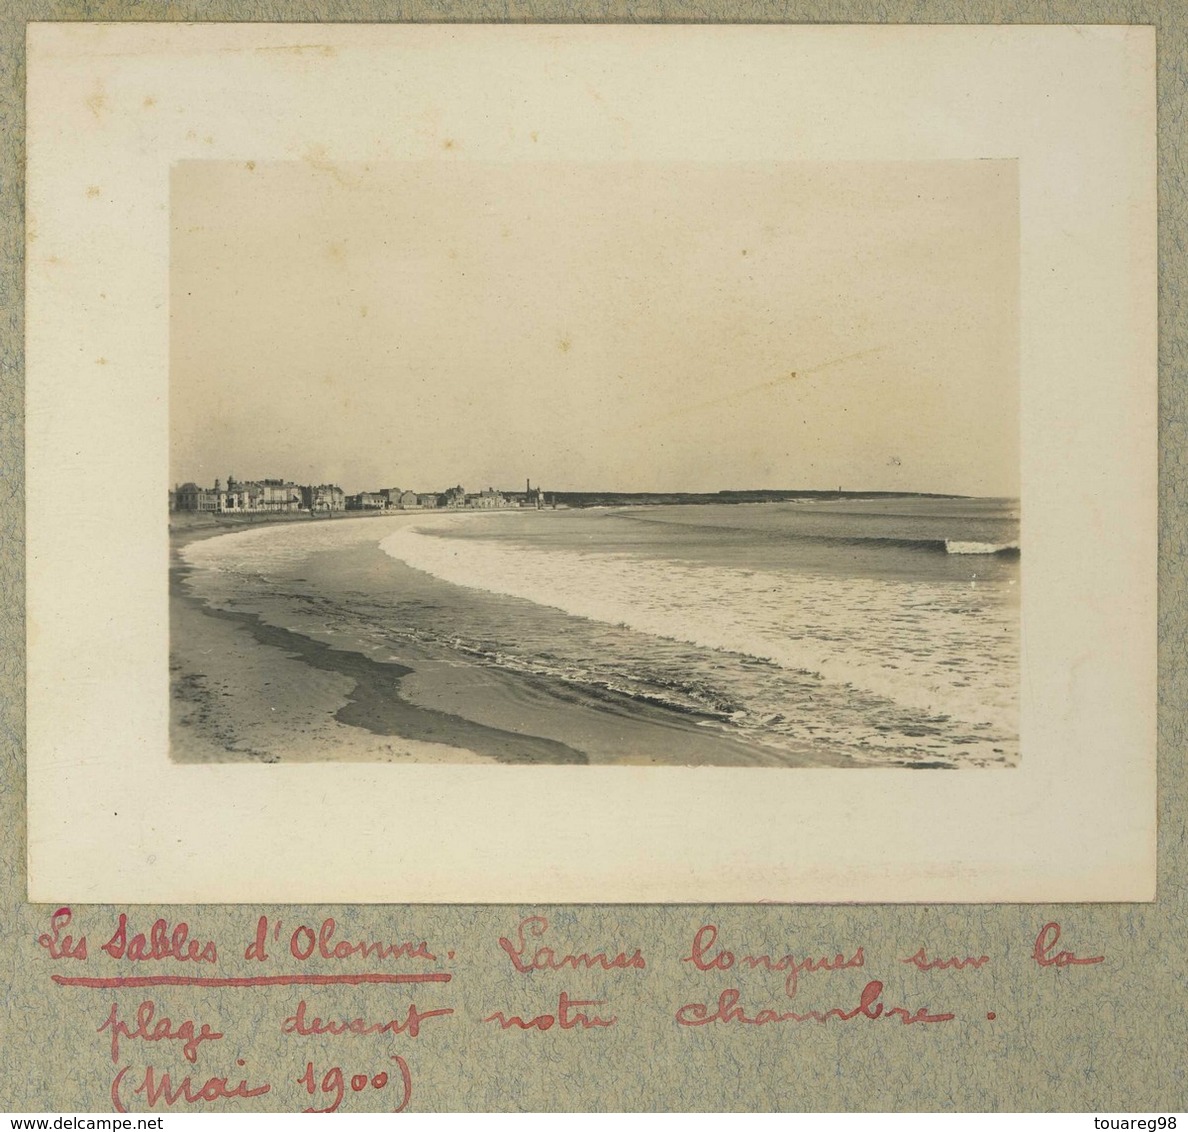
column 205, row 523
column 374, row 702
column 355, row 697
column 246, row 689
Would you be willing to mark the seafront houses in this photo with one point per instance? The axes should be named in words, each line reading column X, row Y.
column 238, row 496
column 191, row 497
column 365, row 501
column 397, row 500
column 486, row 499
column 410, row 500
column 256, row 496
column 323, row 498
column 531, row 497
column 281, row 495
column 273, row 495
column 263, row 495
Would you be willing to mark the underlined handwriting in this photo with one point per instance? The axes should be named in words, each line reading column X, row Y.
column 369, row 993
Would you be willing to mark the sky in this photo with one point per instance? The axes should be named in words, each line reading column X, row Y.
column 603, row 326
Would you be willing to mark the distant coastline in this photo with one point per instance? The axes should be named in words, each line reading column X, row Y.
column 188, row 521
column 758, row 495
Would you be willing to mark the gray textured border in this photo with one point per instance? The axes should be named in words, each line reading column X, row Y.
column 1123, row 1053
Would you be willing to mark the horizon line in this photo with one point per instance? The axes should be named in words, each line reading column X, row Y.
column 639, row 491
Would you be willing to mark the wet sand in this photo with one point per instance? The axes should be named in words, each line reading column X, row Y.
column 242, row 688
column 247, row 690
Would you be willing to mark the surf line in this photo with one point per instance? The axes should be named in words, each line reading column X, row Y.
column 246, row 981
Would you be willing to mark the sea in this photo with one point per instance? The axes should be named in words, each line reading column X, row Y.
column 876, row 632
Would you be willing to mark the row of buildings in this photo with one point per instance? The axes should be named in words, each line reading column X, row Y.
column 272, row 495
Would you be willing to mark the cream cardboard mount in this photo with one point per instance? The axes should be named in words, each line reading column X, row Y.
column 113, row 108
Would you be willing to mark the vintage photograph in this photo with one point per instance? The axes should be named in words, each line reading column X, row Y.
column 485, row 405
column 655, row 463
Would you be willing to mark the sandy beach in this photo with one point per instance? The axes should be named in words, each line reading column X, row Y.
column 235, row 698
column 244, row 689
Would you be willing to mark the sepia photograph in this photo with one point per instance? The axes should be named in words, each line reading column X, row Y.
column 589, row 463
column 419, row 417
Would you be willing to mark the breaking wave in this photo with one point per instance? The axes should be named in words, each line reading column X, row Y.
column 924, row 647
column 953, row 546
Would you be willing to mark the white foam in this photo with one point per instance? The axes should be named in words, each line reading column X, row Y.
column 259, row 548
column 936, row 647
column 954, row 546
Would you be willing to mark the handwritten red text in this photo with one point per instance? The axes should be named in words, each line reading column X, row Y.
column 62, row 946
column 921, row 961
column 869, row 1007
column 704, row 957
column 569, row 1016
column 149, row 1028
column 334, row 1083
column 160, row 943
column 303, row 1025
column 1045, row 943
column 305, row 943
column 546, row 959
column 162, row 1090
